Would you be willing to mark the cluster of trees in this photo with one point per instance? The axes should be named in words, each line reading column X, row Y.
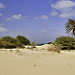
column 10, row 42
column 66, row 42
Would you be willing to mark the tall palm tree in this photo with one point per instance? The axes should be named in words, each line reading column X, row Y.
column 70, row 26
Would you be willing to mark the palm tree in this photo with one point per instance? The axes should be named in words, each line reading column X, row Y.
column 70, row 26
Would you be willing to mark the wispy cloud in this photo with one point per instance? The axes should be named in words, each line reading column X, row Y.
column 55, row 29
column 8, row 19
column 2, row 5
column 53, row 13
column 2, row 29
column 16, row 17
column 1, row 25
column 43, row 31
column 43, row 17
column 36, row 18
column 66, row 7
column 1, row 14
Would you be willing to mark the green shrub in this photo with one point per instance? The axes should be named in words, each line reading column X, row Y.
column 40, row 44
column 4, row 44
column 8, row 39
column 9, row 42
column 50, row 43
column 66, row 42
column 23, row 40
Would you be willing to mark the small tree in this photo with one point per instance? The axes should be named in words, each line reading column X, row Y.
column 23, row 40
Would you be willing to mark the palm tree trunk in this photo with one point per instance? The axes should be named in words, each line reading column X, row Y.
column 74, row 31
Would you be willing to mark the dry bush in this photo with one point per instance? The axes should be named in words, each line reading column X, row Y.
column 54, row 48
column 31, row 48
column 32, row 45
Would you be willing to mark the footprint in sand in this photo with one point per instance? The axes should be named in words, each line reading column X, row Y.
column 34, row 65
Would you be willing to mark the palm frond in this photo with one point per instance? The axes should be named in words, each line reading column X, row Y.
column 70, row 26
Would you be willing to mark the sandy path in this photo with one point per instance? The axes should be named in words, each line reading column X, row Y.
column 37, row 63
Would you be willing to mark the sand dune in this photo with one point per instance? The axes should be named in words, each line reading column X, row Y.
column 37, row 63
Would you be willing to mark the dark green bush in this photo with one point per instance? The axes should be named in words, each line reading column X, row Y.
column 23, row 40
column 9, row 42
column 50, row 43
column 66, row 42
column 40, row 44
column 9, row 39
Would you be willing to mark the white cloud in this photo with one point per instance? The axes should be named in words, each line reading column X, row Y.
column 0, row 14
column 1, row 5
column 1, row 25
column 43, row 17
column 60, row 5
column 16, row 17
column 67, row 14
column 53, row 13
column 43, row 30
column 8, row 19
column 36, row 18
column 66, row 7
column 55, row 29
column 2, row 29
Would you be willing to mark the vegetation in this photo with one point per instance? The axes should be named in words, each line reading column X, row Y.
column 23, row 40
column 33, row 45
column 50, row 43
column 70, row 26
column 54, row 48
column 66, row 42
column 10, row 42
column 40, row 44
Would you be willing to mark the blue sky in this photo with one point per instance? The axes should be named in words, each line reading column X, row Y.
column 38, row 20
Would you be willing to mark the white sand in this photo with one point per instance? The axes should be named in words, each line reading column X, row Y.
column 37, row 63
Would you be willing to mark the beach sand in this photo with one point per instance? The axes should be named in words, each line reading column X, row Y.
column 37, row 63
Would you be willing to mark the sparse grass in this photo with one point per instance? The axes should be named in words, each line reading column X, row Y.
column 20, row 53
column 17, row 51
column 11, row 51
column 55, row 48
column 43, row 48
column 33, row 47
